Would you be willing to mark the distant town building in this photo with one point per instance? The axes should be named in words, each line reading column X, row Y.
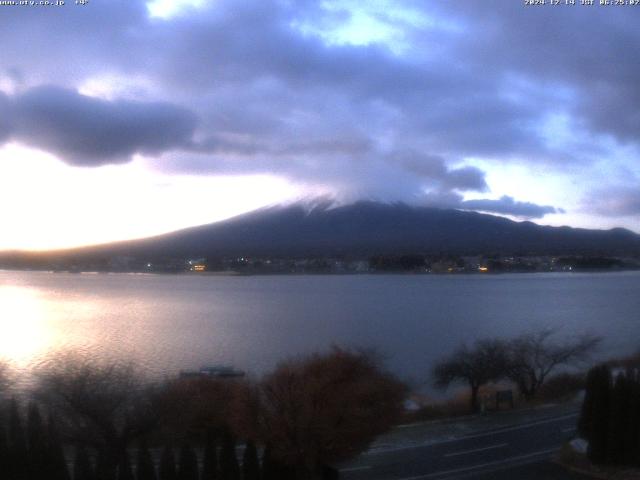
column 197, row 265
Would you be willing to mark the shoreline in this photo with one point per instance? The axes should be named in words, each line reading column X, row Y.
column 234, row 273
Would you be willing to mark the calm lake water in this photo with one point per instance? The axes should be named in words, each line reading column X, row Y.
column 170, row 322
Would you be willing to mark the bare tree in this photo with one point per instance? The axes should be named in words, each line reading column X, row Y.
column 533, row 356
column 102, row 405
column 325, row 408
column 476, row 366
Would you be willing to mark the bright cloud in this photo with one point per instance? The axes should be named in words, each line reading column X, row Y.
column 47, row 204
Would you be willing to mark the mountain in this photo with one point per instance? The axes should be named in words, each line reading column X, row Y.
column 368, row 228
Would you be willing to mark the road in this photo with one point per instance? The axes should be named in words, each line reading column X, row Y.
column 518, row 451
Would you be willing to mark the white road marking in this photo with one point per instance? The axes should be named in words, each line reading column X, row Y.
column 483, row 465
column 465, row 452
column 567, row 430
column 498, row 431
column 489, row 433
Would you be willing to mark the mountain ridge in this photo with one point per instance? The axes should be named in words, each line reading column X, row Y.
column 366, row 228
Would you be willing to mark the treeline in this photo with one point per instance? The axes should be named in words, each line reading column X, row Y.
column 33, row 450
column 105, row 422
column 403, row 263
column 610, row 416
column 30, row 453
column 590, row 263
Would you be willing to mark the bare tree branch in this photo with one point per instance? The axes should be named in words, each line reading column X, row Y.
column 533, row 356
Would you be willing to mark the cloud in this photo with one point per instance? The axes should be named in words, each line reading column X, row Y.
column 434, row 168
column 457, row 96
column 88, row 131
column 267, row 86
column 614, row 202
column 596, row 84
column 507, row 205
column 251, row 73
column 466, row 178
column 5, row 125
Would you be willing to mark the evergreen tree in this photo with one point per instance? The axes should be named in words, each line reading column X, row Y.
column 57, row 468
column 188, row 463
column 585, row 422
column 330, row 473
column 168, row 465
column 124, row 467
column 210, row 469
column 272, row 469
column 4, row 449
column 105, row 465
column 37, row 444
column 229, row 468
column 632, row 438
column 146, row 470
column 250, row 463
column 598, row 428
column 82, row 468
column 18, row 461
column 268, row 466
column 618, row 419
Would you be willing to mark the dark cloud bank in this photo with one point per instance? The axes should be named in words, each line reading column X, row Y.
column 88, row 131
column 508, row 206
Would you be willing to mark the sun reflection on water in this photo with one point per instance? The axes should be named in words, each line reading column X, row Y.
column 24, row 329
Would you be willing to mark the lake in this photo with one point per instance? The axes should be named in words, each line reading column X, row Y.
column 166, row 323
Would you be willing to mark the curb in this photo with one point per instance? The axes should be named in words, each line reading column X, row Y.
column 592, row 474
column 482, row 415
column 581, row 471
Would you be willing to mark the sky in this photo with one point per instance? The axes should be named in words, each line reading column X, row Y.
column 128, row 118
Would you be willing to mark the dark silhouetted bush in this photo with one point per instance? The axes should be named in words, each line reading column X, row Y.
column 563, row 386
